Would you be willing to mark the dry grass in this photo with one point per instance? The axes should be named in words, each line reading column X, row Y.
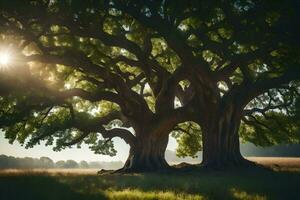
column 50, row 172
column 278, row 163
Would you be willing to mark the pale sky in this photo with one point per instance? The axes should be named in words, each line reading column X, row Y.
column 74, row 153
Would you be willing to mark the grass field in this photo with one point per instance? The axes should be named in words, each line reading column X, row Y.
column 281, row 183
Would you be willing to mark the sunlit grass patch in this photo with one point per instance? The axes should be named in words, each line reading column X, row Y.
column 135, row 194
column 242, row 195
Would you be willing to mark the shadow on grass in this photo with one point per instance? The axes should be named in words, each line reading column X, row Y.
column 28, row 187
column 201, row 184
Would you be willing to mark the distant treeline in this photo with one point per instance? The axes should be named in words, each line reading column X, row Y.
column 45, row 162
column 8, row 162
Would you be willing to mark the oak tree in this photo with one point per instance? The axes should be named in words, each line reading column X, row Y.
column 86, row 71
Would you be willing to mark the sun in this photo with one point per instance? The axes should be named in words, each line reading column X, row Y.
column 4, row 58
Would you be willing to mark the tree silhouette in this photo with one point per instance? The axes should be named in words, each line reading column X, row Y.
column 83, row 164
column 86, row 71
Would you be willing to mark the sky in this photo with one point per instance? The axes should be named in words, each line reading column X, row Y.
column 74, row 153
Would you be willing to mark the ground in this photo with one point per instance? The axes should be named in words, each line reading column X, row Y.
column 280, row 183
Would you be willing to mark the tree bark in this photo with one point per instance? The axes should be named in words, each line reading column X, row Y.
column 221, row 146
column 147, row 154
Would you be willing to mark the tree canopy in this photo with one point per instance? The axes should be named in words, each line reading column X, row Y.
column 86, row 71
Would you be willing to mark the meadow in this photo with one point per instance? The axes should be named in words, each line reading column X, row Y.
column 282, row 182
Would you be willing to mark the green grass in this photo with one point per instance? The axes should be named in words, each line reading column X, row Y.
column 203, row 184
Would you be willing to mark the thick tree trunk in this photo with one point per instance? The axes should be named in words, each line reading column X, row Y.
column 221, row 146
column 147, row 154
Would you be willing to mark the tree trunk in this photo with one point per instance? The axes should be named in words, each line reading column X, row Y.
column 221, row 146
column 147, row 154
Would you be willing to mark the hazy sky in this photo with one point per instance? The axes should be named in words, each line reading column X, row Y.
column 74, row 153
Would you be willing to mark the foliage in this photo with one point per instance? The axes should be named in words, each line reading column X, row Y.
column 86, row 72
column 188, row 136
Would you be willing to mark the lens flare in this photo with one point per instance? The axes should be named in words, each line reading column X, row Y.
column 4, row 59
